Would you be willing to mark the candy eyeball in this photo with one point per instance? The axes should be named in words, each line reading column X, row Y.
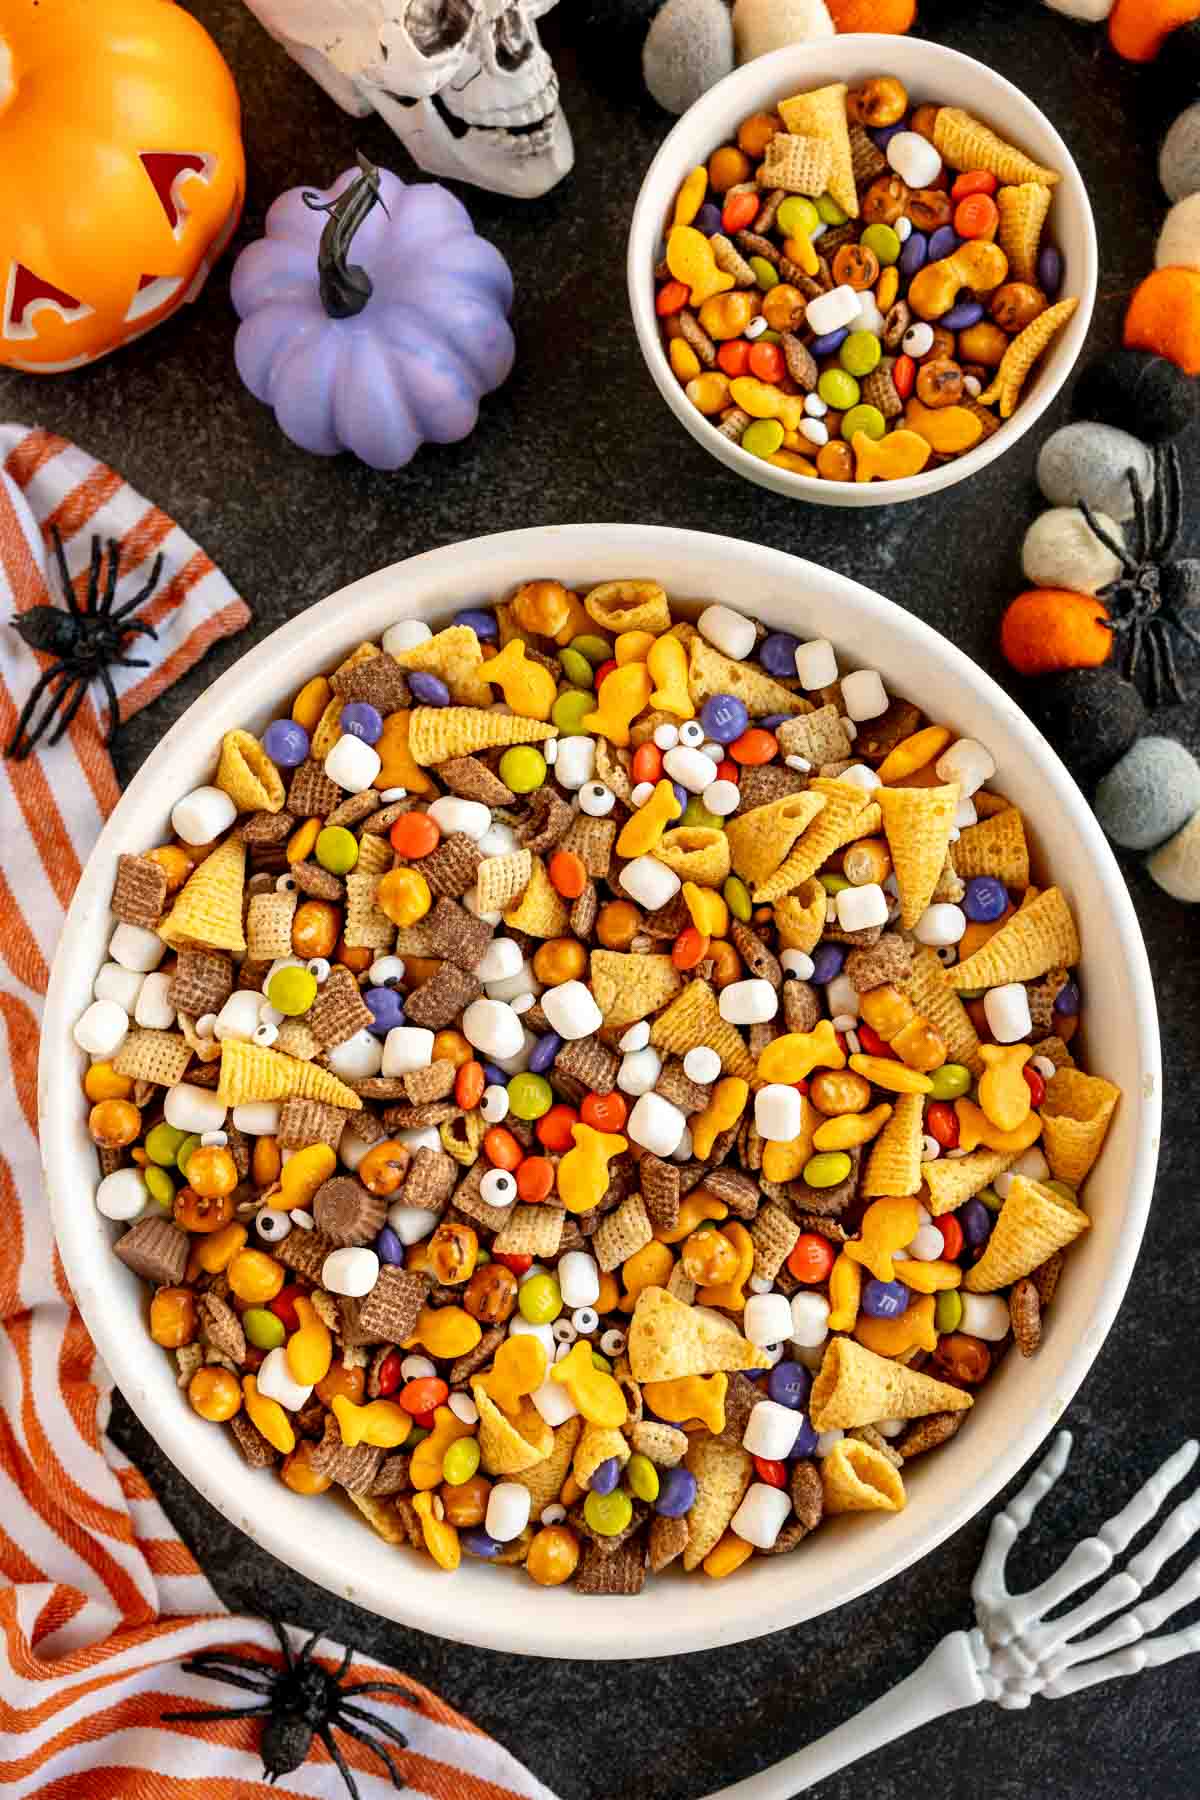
column 691, row 734
column 596, row 800
column 319, row 968
column 918, row 340
column 272, row 1225
column 286, row 884
column 265, row 1033
column 498, row 1188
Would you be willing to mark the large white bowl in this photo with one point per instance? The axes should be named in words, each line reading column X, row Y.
column 930, row 72
column 502, row 1609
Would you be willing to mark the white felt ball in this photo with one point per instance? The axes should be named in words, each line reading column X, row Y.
column 1092, row 462
column 688, row 48
column 1179, row 158
column 1178, row 244
column 1062, row 551
column 1176, row 867
column 760, row 26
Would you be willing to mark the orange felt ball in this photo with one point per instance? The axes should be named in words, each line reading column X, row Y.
column 872, row 15
column 1047, row 629
column 1164, row 316
column 1138, row 29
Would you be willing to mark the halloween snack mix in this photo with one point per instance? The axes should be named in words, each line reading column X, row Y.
column 858, row 288
column 619, row 1126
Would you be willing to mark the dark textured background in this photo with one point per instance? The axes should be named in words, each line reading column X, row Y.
column 579, row 433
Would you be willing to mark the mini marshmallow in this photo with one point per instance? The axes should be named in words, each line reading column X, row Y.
column 508, row 987
column 689, row 767
column 864, row 695
column 778, row 1114
column 914, row 159
column 798, row 963
column 842, row 996
column 649, row 882
column 136, row 948
column 666, row 736
column 519, row 1060
column 966, row 814
column 858, row 908
column 714, row 751
column 771, row 1430
column 507, row 1511
column 499, row 839
column 861, row 776
column 571, row 1010
column 407, row 1047
column 722, row 798
column 470, row 817
column 123, row 986
column 257, row 1118
column 816, row 664
column 360, row 1057
column 869, row 316
column 683, row 1150
column 1007, row 1012
column 419, row 1137
column 816, row 408
column 202, row 815
column 815, row 430
column 731, row 633
column 405, row 634
column 553, row 1400
column 353, row 764
column 471, row 902
column 750, row 1002
column 656, row 1125
column 968, row 762
column 702, row 1064
column 352, row 1271
column 596, row 800
column 576, row 761
column 501, row 960
column 826, row 313
column 810, row 1320
column 276, row 1381
column 767, row 1318
column 636, row 1038
column 985, row 1316
column 193, row 1109
column 411, row 1224
column 238, row 1018
column 492, row 1028
column 760, row 1517
column 940, row 925
column 464, row 1408
column 578, row 1279
column 102, row 1029
column 641, row 793
column 639, row 1071
column 122, row 1195
column 1031, row 1163
column 154, row 1009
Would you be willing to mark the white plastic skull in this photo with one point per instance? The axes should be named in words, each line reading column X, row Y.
column 465, row 84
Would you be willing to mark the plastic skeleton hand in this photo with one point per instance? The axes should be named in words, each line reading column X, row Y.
column 1014, row 1652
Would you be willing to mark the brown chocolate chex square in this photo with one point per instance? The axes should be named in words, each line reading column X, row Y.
column 456, row 935
column 660, row 1191
column 339, row 1010
column 429, row 1112
column 452, row 868
column 251, row 1442
column 310, row 1122
column 202, row 982
column 140, row 891
column 547, row 820
column 588, row 1064
column 471, row 1203
column 377, row 681
column 353, row 1468
column 620, row 1571
column 264, row 828
column 430, row 1179
column 318, row 883
column 471, row 779
column 388, row 1314
column 439, row 1001
column 354, row 809
column 312, row 795
column 304, row 1253
column 431, row 1083
column 739, row 1192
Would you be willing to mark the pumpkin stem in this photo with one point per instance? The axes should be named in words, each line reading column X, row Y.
column 345, row 286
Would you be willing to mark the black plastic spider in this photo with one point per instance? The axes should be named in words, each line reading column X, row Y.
column 1149, row 600
column 301, row 1701
column 84, row 641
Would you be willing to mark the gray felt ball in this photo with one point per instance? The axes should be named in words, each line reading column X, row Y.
column 1091, row 462
column 1176, row 867
column 1152, row 792
column 1062, row 551
column 1179, row 159
column 688, row 48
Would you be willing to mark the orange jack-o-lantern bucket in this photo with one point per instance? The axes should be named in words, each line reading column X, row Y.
column 121, row 173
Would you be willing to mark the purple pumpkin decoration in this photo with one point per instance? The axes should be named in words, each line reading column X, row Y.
column 384, row 353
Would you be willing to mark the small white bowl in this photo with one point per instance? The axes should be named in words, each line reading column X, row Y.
column 931, row 73
column 501, row 1608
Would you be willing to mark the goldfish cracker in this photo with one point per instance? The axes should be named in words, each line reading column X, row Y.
column 623, row 696
column 425, row 1469
column 268, row 1416
column 529, row 690
column 784, row 1162
column 595, row 1393
column 894, row 1076
column 690, row 197
column 174, row 860
column 849, row 1130
column 709, row 392
column 709, row 911
column 445, row 1331
column 633, row 646
column 648, row 1267
column 975, row 1128
column 726, row 1555
column 934, row 1277
column 845, row 1292
column 977, row 264
column 310, row 703
column 762, row 401
column 303, row 841
column 667, row 663
column 441, row 1539
column 690, row 259
column 215, row 1252
column 694, row 1209
column 950, row 430
column 381, row 1423
column 643, row 830
column 689, row 1397
column 309, row 1351
column 795, row 1055
column 396, row 765
column 913, row 753
column 519, row 1368
column 727, row 316
column 730, row 1295
column 302, row 1174
column 266, row 1162
column 1004, row 1093
column 887, row 1225
column 724, row 1109
column 583, row 1176
column 685, row 364
column 891, row 458
column 911, row 1330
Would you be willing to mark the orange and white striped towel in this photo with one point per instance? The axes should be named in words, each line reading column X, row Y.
column 99, row 1599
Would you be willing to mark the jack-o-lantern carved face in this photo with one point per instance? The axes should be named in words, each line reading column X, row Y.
column 121, row 174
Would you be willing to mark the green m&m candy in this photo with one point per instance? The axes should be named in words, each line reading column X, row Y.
column 523, row 769
column 867, row 419
column 336, row 850
column 570, row 710
column 292, row 990
column 860, row 353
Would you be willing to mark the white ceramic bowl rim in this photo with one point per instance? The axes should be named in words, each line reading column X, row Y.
column 321, row 1540
column 928, row 69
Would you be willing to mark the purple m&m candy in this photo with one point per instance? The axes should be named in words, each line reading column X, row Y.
column 286, row 743
column 385, row 1008
column 806, row 1441
column 772, row 721
column 388, row 1247
column 884, row 1299
column 477, row 1542
column 985, row 899
column 724, row 718
column 708, row 220
column 1066, row 1001
column 976, row 1222
column 494, row 1076
column 482, row 623
column 827, row 960
column 914, row 255
column 605, row 1476
column 360, row 720
column 682, row 795
column 677, row 1493
column 943, row 242
column 777, row 654
column 1050, row 271
column 962, row 316
column 829, row 342
column 427, row 688
column 544, row 1052
column 883, row 134
column 788, row 1384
